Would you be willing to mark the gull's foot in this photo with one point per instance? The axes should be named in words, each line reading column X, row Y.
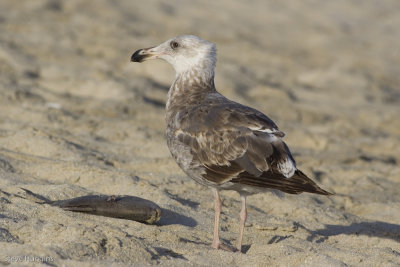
column 111, row 198
column 239, row 247
column 225, row 247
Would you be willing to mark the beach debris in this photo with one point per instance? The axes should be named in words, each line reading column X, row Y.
column 121, row 207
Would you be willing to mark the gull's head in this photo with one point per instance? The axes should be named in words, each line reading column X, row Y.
column 184, row 53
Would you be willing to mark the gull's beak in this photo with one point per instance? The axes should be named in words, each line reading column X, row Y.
column 144, row 54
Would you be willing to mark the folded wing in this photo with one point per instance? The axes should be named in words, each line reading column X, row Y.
column 241, row 145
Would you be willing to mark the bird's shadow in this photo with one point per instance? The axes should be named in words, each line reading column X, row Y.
column 183, row 201
column 374, row 229
column 170, row 217
column 165, row 252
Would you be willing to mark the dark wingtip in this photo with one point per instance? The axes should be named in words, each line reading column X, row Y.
column 315, row 188
column 321, row 191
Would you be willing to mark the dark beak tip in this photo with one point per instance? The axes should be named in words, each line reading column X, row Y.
column 136, row 57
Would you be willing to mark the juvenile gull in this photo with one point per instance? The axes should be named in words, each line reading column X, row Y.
column 217, row 142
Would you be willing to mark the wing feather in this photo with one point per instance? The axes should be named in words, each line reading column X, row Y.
column 239, row 144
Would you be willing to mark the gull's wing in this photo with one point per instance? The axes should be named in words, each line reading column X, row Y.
column 239, row 144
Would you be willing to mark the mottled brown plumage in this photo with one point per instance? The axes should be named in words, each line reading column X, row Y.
column 217, row 142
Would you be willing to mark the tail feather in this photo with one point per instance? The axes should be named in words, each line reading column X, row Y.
column 296, row 184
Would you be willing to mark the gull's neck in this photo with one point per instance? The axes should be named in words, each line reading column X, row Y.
column 196, row 80
column 190, row 87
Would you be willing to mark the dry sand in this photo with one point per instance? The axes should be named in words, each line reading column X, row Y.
column 76, row 118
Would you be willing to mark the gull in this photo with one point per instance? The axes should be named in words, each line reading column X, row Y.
column 217, row 142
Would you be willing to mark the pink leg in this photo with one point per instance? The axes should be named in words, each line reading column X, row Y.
column 243, row 217
column 216, row 241
column 217, row 207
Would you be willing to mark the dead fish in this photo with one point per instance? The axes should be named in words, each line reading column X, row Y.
column 122, row 207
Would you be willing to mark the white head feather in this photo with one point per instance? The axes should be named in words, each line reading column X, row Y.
column 185, row 53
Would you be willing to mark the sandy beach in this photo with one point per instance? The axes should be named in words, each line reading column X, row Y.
column 77, row 118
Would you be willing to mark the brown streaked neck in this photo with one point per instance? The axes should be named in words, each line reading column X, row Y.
column 189, row 88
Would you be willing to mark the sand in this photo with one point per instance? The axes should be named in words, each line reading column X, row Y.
column 77, row 118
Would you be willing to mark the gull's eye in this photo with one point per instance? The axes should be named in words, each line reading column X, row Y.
column 174, row 44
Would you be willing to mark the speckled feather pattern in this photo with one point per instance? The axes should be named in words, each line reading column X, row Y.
column 216, row 141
